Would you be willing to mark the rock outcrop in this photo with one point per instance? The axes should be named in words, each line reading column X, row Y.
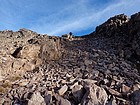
column 124, row 33
column 25, row 50
column 112, row 26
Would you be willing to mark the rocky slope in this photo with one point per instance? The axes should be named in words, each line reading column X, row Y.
column 101, row 68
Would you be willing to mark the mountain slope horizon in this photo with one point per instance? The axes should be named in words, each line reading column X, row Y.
column 128, row 18
column 101, row 68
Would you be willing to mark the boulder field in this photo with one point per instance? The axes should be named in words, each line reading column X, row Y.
column 101, row 68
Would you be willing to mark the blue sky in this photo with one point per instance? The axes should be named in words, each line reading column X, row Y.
column 57, row 17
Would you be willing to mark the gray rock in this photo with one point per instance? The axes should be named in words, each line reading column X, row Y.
column 36, row 99
column 114, row 92
column 136, row 87
column 106, row 81
column 48, row 97
column 62, row 101
column 94, row 95
column 1, row 77
column 135, row 97
column 23, row 82
column 125, row 88
column 87, row 62
column 63, row 89
column 2, row 101
column 95, row 73
column 112, row 102
column 78, row 92
column 72, row 86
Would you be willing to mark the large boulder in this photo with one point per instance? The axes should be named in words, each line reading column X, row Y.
column 94, row 95
column 50, row 50
column 36, row 99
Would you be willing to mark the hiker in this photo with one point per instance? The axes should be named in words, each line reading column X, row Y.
column 70, row 35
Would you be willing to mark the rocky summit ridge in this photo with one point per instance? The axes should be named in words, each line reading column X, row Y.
column 101, row 68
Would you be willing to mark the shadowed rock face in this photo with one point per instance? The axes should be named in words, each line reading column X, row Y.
column 124, row 33
column 101, row 68
column 134, row 32
column 113, row 26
